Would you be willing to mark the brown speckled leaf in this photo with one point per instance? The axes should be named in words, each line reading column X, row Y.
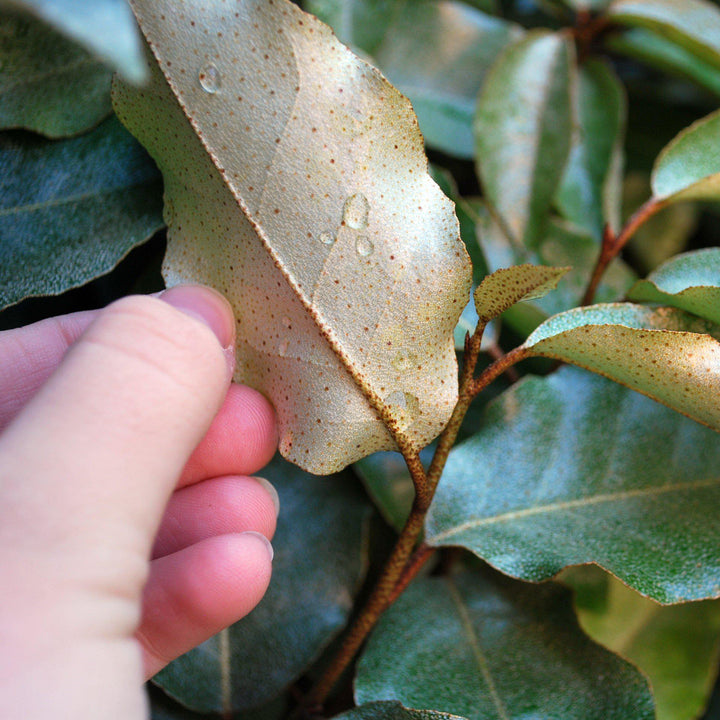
column 664, row 353
column 507, row 286
column 299, row 188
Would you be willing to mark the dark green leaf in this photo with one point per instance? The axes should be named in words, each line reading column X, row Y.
column 508, row 286
column 667, row 354
column 483, row 646
column 693, row 24
column 522, row 132
column 435, row 53
column 690, row 282
column 677, row 647
column 659, row 52
column 70, row 210
column 48, row 84
column 320, row 558
column 106, row 28
column 590, row 192
column 392, row 711
column 163, row 708
column 571, row 469
column 689, row 167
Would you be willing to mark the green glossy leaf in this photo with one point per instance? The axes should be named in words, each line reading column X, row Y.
column 47, row 83
column 320, row 557
column 694, row 24
column 522, row 132
column 71, row 210
column 573, row 468
column 106, row 28
column 677, row 647
column 590, row 192
column 283, row 152
column 491, row 647
column 669, row 355
column 659, row 52
column 562, row 245
column 392, row 711
column 690, row 282
column 435, row 53
column 689, row 167
column 508, row 286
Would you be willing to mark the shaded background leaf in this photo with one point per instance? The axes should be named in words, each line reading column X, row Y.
column 435, row 53
column 677, row 647
column 694, row 24
column 590, row 192
column 689, row 167
column 393, row 711
column 522, row 131
column 492, row 647
column 47, row 83
column 573, row 468
column 326, row 196
column 70, row 210
column 106, row 28
column 320, row 559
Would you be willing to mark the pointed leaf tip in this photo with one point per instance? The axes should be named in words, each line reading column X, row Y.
column 507, row 286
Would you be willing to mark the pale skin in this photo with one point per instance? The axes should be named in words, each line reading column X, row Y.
column 131, row 528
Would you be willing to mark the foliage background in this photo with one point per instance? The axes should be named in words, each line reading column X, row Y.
column 108, row 213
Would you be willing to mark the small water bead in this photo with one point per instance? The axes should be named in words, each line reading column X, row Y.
column 209, row 78
column 283, row 348
column 287, row 322
column 363, row 246
column 356, row 211
column 327, row 238
column 403, row 406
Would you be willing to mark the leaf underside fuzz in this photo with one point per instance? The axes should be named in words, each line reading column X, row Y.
column 299, row 188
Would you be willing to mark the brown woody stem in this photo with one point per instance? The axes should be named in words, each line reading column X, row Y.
column 403, row 566
column 612, row 244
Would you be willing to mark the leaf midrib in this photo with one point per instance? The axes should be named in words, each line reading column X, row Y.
column 477, row 651
column 47, row 74
column 572, row 504
column 70, row 199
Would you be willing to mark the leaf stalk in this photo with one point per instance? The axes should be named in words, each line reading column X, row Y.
column 612, row 244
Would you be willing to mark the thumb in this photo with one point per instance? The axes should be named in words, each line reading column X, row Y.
column 98, row 450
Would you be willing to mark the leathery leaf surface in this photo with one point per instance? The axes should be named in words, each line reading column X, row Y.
column 573, row 468
column 299, row 188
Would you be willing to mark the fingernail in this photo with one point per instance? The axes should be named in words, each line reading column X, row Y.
column 208, row 306
column 268, row 545
column 272, row 491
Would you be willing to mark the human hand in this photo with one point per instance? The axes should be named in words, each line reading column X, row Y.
column 124, row 500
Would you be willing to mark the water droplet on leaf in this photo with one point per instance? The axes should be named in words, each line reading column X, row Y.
column 363, row 246
column 356, row 211
column 403, row 406
column 283, row 348
column 404, row 361
column 327, row 238
column 287, row 322
column 209, row 78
